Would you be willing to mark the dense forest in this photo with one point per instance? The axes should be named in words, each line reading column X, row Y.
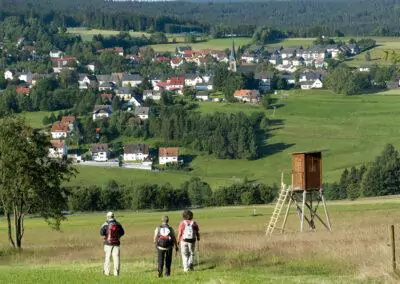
column 296, row 18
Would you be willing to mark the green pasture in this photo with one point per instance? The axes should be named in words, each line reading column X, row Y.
column 350, row 130
column 377, row 53
column 233, row 248
column 218, row 44
column 87, row 34
column 35, row 119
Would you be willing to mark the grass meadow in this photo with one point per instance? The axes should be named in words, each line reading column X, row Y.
column 350, row 130
column 233, row 248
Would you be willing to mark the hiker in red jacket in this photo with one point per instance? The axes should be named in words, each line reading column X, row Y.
column 188, row 234
column 112, row 231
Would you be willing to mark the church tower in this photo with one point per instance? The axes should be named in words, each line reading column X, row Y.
column 232, row 59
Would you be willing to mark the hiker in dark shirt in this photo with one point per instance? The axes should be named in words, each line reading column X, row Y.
column 165, row 240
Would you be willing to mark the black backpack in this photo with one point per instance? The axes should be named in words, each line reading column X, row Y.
column 164, row 238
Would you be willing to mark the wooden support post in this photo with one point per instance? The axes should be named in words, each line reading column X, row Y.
column 326, row 211
column 302, row 210
column 393, row 245
column 287, row 211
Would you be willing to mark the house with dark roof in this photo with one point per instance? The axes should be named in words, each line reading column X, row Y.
column 131, row 80
column 142, row 112
column 136, row 152
column 101, row 112
column 124, row 93
column 99, row 152
column 151, row 94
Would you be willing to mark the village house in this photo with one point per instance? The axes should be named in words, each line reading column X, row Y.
column 124, row 93
column 311, row 84
column 101, row 112
column 161, row 59
column 264, row 81
column 193, row 79
column 142, row 112
column 55, row 53
column 135, row 101
column 173, row 84
column 168, row 155
column 99, row 152
column 29, row 49
column 202, row 96
column 151, row 94
column 106, row 97
column 58, row 149
column 63, row 62
column 106, row 86
column 22, row 90
column 275, row 59
column 87, row 81
column 104, row 79
column 249, row 58
column 180, row 50
column 288, row 52
column 26, row 77
column 59, row 130
column 176, row 62
column 9, row 74
column 131, row 80
column 251, row 96
column 69, row 121
column 136, row 152
column 91, row 67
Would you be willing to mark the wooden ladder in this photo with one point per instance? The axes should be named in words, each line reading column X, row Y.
column 278, row 208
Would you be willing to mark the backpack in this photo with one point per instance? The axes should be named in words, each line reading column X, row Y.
column 188, row 232
column 112, row 234
column 164, row 239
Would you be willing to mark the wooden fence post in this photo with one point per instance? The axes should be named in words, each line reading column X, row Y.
column 393, row 245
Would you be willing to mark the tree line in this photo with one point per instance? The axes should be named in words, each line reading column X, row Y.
column 298, row 18
column 378, row 178
column 194, row 192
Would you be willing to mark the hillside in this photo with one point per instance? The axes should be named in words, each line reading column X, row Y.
column 352, row 130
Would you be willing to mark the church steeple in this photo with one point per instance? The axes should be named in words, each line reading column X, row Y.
column 232, row 58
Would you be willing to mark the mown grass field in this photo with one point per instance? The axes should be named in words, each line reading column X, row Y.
column 35, row 119
column 351, row 130
column 218, row 44
column 377, row 53
column 233, row 248
column 87, row 34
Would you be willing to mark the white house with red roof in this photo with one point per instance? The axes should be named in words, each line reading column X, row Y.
column 176, row 62
column 244, row 95
column 58, row 149
column 59, row 130
column 173, row 84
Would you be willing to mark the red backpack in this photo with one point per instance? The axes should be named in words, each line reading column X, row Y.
column 112, row 233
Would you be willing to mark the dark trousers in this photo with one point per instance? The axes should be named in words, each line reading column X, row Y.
column 164, row 255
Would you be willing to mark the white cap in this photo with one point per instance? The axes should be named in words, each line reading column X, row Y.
column 110, row 215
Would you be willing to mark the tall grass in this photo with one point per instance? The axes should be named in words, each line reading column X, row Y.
column 233, row 247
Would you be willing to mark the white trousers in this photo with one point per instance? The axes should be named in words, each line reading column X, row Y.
column 187, row 251
column 114, row 252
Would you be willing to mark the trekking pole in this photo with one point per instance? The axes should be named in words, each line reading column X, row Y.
column 198, row 253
